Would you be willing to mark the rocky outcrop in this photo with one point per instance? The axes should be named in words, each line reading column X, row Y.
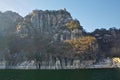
column 8, row 22
column 47, row 22
column 44, row 21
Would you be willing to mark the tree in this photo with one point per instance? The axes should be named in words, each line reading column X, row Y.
column 85, row 47
column 41, row 41
column 71, row 25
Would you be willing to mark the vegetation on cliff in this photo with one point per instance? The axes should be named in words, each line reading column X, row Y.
column 45, row 36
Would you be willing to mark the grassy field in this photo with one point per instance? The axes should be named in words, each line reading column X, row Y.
column 80, row 74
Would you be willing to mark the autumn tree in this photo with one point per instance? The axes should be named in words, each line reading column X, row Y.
column 71, row 25
column 85, row 47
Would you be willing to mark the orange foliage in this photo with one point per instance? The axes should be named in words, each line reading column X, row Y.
column 82, row 44
column 72, row 25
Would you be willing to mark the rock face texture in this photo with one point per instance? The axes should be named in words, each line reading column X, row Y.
column 47, row 22
column 8, row 22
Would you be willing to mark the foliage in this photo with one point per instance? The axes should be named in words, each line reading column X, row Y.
column 71, row 25
column 108, row 41
column 83, row 45
column 60, row 49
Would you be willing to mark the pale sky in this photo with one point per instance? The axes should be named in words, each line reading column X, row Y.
column 92, row 14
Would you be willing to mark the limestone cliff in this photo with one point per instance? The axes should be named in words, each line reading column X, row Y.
column 8, row 22
column 48, row 22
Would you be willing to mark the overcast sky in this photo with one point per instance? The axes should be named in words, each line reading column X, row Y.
column 92, row 14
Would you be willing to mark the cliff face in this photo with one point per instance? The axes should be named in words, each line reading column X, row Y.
column 47, row 22
column 8, row 22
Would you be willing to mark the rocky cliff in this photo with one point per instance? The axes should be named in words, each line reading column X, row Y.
column 28, row 38
column 8, row 22
column 52, row 39
column 48, row 22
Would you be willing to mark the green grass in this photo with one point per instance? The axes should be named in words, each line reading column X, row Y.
column 80, row 74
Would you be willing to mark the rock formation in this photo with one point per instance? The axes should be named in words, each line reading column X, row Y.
column 37, row 41
column 8, row 22
column 47, row 22
column 22, row 36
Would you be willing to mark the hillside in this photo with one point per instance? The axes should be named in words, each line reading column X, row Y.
column 52, row 39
